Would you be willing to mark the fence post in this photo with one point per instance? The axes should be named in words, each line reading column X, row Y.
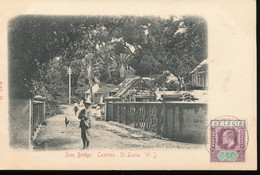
column 119, row 113
column 37, row 114
column 164, row 130
column 30, row 124
column 107, row 112
column 40, row 108
column 181, row 121
column 159, row 119
column 173, row 121
column 146, row 117
column 126, row 117
column 135, row 117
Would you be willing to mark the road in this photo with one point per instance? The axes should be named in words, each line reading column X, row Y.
column 112, row 135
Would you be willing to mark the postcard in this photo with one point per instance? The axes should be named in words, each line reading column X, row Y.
column 128, row 85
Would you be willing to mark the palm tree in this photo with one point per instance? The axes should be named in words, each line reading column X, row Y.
column 88, row 63
column 119, row 64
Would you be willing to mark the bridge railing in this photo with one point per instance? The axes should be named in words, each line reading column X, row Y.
column 180, row 121
column 25, row 115
column 38, row 113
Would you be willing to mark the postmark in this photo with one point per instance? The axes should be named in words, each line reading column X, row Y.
column 228, row 140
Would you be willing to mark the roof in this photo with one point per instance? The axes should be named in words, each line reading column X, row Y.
column 106, row 88
column 200, row 94
column 149, row 81
column 125, row 85
column 101, row 88
column 202, row 64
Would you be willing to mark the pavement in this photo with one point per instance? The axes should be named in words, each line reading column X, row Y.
column 54, row 135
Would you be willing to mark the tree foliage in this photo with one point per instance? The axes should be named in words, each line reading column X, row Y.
column 100, row 49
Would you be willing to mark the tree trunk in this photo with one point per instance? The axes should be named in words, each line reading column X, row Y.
column 184, row 84
column 90, row 76
column 91, row 80
column 91, row 92
column 180, row 82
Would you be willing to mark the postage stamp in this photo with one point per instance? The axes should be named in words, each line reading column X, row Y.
column 228, row 140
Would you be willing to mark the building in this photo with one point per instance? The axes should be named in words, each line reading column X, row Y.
column 95, row 93
column 99, row 91
column 134, row 89
column 199, row 75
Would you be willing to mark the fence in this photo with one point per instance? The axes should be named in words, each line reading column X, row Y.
column 25, row 115
column 38, row 113
column 180, row 121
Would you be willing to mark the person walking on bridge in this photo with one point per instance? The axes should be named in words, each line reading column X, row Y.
column 85, row 124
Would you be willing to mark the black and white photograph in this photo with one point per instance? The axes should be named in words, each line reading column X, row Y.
column 120, row 82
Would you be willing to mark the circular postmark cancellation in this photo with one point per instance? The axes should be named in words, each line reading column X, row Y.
column 228, row 139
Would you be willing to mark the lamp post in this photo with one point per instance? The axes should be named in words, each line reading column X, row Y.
column 69, row 72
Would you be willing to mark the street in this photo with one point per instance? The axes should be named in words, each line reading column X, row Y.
column 104, row 135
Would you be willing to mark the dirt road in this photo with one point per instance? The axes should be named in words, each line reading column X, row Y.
column 56, row 136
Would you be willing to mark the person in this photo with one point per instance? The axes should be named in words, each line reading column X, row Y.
column 85, row 124
column 81, row 104
column 98, row 113
column 76, row 108
column 228, row 138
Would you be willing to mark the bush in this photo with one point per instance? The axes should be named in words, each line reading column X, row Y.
column 52, row 105
column 172, row 86
column 52, row 109
column 189, row 86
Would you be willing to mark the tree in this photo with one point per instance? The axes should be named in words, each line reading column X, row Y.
column 88, row 63
column 149, row 45
column 120, row 64
column 56, row 87
column 181, row 46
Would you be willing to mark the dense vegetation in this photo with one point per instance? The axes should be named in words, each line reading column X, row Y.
column 99, row 49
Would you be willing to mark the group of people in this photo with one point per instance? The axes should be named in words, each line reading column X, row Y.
column 85, row 121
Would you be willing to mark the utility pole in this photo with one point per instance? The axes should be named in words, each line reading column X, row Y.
column 69, row 72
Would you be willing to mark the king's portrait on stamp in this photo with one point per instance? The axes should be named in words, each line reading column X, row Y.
column 228, row 140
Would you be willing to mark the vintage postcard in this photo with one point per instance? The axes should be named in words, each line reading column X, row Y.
column 128, row 85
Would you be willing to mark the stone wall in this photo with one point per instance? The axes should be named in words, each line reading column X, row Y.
column 186, row 122
column 179, row 121
column 19, row 114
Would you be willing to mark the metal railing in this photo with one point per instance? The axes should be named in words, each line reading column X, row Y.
column 181, row 121
column 38, row 113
